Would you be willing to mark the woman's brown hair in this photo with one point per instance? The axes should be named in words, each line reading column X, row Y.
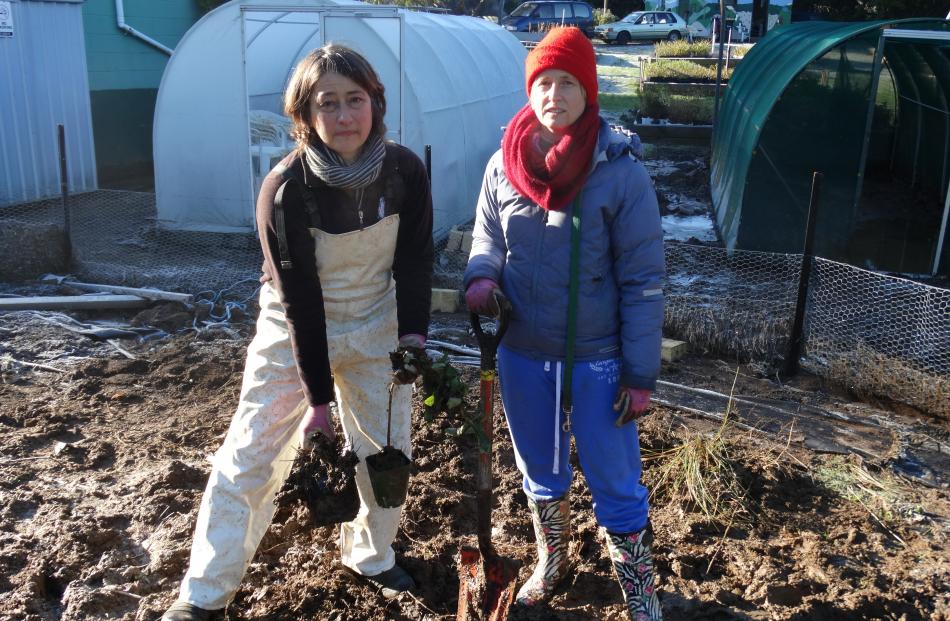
column 330, row 58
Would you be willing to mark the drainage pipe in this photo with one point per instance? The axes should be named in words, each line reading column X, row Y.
column 120, row 22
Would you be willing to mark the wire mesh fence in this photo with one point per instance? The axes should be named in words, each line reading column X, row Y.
column 874, row 333
column 736, row 303
column 116, row 239
column 879, row 334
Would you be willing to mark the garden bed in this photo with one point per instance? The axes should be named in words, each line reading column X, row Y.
column 681, row 90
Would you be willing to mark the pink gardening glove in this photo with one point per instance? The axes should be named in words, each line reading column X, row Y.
column 479, row 298
column 631, row 404
column 405, row 359
column 316, row 420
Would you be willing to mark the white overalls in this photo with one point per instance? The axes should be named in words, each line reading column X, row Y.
column 250, row 467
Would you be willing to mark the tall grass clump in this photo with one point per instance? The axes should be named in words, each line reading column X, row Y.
column 701, row 473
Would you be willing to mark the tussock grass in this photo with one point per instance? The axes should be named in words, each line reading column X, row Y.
column 702, row 473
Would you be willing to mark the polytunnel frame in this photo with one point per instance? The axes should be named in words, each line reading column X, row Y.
column 200, row 136
column 901, row 35
column 749, row 104
column 323, row 12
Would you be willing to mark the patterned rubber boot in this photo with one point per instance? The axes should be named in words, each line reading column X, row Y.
column 552, row 531
column 632, row 557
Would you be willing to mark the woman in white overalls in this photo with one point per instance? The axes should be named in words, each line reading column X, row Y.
column 345, row 224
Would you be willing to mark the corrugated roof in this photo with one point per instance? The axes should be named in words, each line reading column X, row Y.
column 754, row 89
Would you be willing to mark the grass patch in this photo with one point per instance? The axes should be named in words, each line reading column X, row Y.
column 738, row 51
column 682, row 49
column 696, row 49
column 631, row 71
column 682, row 71
column 880, row 494
column 686, row 109
column 618, row 102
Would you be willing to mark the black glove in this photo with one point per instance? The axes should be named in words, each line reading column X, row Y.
column 406, row 360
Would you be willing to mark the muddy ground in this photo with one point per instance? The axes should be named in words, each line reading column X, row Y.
column 104, row 461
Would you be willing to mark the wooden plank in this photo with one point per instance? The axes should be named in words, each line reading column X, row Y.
column 673, row 350
column 445, row 300
column 466, row 243
column 70, row 302
column 148, row 294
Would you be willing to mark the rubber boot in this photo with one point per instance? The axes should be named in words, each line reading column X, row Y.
column 183, row 611
column 632, row 558
column 552, row 531
column 391, row 582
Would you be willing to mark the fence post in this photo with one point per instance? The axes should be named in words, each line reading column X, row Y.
column 795, row 342
column 64, row 190
column 719, row 38
column 429, row 161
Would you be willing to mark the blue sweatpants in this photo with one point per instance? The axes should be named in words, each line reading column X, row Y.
column 609, row 456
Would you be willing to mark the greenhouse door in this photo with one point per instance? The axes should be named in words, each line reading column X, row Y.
column 377, row 35
column 275, row 40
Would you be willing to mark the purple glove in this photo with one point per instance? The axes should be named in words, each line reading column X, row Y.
column 316, row 420
column 631, row 404
column 479, row 298
column 405, row 358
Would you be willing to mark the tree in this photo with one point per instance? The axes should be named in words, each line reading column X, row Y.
column 863, row 10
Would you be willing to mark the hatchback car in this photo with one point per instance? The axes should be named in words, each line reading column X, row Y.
column 541, row 15
column 643, row 25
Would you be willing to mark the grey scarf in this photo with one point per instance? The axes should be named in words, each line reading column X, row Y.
column 330, row 167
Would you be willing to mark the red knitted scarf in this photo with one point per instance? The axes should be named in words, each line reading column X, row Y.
column 551, row 182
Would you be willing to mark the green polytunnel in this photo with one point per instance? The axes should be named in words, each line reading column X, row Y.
column 867, row 105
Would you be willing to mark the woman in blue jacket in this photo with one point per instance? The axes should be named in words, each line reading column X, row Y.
column 562, row 171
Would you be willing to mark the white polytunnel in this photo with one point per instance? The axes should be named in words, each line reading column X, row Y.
column 451, row 82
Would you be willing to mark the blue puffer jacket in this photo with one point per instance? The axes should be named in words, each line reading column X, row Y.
column 527, row 251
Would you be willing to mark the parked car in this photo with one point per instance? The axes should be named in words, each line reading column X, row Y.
column 541, row 15
column 643, row 25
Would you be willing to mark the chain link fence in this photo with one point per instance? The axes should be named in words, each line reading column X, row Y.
column 874, row 333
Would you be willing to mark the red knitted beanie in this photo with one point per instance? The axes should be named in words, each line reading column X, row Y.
column 567, row 49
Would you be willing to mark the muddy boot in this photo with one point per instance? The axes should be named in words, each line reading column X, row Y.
column 632, row 557
column 391, row 582
column 183, row 611
column 552, row 531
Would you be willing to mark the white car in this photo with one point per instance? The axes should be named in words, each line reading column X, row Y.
column 643, row 25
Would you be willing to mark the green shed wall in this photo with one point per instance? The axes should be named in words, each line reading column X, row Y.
column 124, row 75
